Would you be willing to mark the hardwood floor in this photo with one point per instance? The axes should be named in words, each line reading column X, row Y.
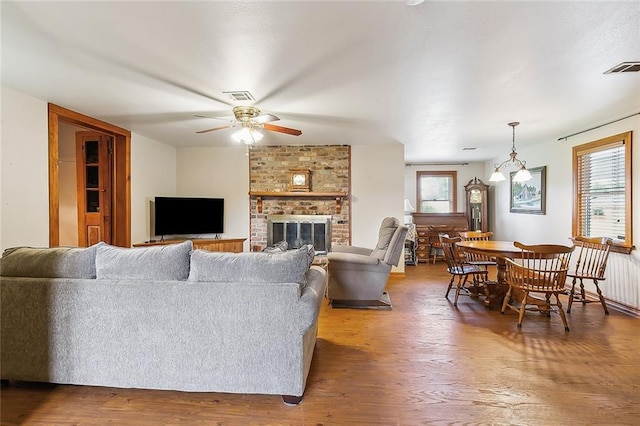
column 424, row 362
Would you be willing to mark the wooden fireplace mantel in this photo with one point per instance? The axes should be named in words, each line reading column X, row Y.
column 270, row 194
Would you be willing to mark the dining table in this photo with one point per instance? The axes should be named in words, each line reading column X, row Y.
column 500, row 250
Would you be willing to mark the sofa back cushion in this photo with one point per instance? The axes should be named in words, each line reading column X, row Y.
column 160, row 263
column 54, row 262
column 260, row 267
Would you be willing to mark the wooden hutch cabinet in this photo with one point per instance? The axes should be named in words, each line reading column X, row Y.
column 429, row 225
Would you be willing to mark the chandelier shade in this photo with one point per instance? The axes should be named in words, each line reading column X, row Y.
column 523, row 174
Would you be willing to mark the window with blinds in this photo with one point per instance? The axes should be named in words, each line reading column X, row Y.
column 602, row 183
column 436, row 191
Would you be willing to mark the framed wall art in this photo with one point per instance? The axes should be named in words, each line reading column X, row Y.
column 529, row 197
column 299, row 180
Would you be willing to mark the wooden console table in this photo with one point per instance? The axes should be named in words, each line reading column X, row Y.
column 233, row 245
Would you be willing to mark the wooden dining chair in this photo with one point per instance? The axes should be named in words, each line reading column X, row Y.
column 435, row 248
column 541, row 269
column 591, row 265
column 473, row 258
column 461, row 271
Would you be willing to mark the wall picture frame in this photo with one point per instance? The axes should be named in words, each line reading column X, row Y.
column 529, row 197
column 299, row 180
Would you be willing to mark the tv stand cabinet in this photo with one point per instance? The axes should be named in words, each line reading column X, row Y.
column 233, row 245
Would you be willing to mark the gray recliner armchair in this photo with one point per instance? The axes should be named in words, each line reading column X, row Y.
column 358, row 275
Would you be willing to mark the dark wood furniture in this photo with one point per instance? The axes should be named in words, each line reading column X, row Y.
column 429, row 225
column 477, row 200
column 231, row 245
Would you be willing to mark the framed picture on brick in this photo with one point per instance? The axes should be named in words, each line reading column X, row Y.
column 300, row 180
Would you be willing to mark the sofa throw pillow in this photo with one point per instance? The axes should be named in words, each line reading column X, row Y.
column 54, row 262
column 279, row 247
column 161, row 263
column 260, row 267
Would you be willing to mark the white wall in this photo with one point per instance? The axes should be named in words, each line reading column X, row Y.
column 218, row 172
column 622, row 282
column 24, row 188
column 153, row 173
column 464, row 173
column 377, row 179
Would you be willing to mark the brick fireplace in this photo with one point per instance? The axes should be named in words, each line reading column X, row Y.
column 329, row 193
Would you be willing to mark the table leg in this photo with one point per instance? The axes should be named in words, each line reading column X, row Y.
column 494, row 300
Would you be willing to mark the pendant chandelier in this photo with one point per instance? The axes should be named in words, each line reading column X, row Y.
column 523, row 174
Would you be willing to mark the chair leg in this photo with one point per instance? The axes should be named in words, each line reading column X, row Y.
column 561, row 312
column 523, row 307
column 505, row 302
column 453, row 277
column 583, row 296
column 602, row 302
column 461, row 283
column 571, row 295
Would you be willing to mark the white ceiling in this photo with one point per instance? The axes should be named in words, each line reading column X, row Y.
column 437, row 77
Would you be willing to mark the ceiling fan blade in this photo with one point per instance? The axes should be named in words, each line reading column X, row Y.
column 213, row 118
column 215, row 128
column 265, row 118
column 281, row 129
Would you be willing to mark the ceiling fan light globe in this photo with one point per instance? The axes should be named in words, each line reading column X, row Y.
column 238, row 135
column 257, row 136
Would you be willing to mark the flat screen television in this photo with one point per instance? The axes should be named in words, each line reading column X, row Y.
column 188, row 215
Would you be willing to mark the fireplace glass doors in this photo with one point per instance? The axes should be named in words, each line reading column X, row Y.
column 298, row 230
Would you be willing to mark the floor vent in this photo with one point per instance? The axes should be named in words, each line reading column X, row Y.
column 624, row 67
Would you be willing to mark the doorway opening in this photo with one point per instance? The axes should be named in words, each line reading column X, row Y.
column 113, row 191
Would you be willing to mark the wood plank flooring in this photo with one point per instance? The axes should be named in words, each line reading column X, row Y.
column 424, row 362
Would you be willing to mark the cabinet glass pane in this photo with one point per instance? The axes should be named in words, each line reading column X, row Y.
column 91, row 152
column 93, row 201
column 92, row 177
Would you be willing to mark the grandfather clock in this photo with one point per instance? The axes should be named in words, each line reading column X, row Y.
column 477, row 199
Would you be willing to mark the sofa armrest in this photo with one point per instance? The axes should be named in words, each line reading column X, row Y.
column 311, row 298
column 351, row 249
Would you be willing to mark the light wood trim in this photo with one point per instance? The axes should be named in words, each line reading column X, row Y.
column 121, row 216
column 229, row 245
column 122, row 172
column 454, row 177
column 54, row 194
column 297, row 194
column 589, row 147
column 264, row 194
column 86, row 121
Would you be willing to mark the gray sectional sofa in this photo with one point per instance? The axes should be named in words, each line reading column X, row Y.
column 165, row 317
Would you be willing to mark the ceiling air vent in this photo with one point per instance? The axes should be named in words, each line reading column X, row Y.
column 624, row 67
column 240, row 96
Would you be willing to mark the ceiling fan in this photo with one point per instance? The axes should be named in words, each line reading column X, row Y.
column 249, row 119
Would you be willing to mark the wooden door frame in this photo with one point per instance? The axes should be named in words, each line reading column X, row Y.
column 121, row 207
